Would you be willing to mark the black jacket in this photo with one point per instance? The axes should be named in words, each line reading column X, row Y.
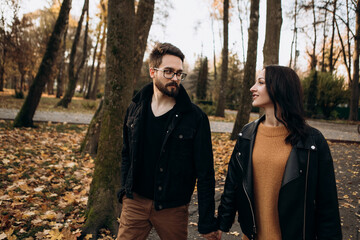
column 186, row 155
column 308, row 203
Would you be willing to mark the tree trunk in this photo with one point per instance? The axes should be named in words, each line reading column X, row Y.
column 220, row 109
column 244, row 110
column 323, row 65
column 60, row 77
column 294, row 37
column 143, row 20
column 313, row 62
column 354, row 98
column 273, row 29
column 90, row 142
column 88, row 91
column 26, row 114
column 97, row 72
column 331, row 54
column 103, row 207
column 74, row 73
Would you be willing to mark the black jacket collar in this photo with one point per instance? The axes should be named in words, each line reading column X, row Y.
column 183, row 102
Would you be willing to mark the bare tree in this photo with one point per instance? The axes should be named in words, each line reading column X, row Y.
column 244, row 110
column 220, row 109
column 73, row 72
column 27, row 111
column 273, row 29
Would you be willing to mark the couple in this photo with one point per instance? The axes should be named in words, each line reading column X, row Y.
column 280, row 178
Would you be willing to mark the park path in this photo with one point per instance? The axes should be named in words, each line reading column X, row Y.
column 331, row 131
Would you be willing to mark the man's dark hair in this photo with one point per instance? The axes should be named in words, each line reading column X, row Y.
column 285, row 91
column 162, row 49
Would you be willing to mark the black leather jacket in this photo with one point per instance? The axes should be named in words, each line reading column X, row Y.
column 186, row 155
column 308, row 203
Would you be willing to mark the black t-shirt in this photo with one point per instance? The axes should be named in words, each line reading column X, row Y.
column 154, row 133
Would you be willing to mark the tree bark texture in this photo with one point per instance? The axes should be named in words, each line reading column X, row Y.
column 60, row 77
column 25, row 116
column 143, row 20
column 220, row 109
column 103, row 206
column 91, row 140
column 354, row 98
column 244, row 110
column 272, row 34
column 74, row 73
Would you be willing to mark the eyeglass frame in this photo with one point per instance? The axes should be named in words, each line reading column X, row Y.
column 173, row 74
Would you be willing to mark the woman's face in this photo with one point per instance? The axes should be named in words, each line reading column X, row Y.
column 260, row 94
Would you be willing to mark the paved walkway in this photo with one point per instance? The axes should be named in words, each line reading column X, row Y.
column 331, row 131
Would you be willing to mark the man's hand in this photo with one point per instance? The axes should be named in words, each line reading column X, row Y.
column 216, row 235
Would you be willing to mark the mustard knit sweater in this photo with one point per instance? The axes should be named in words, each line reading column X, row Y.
column 270, row 155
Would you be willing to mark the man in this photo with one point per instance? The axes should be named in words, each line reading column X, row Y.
column 167, row 147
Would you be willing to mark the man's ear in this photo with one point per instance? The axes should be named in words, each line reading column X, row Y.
column 152, row 72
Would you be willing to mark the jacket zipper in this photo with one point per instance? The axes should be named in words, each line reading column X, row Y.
column 247, row 196
column 306, row 185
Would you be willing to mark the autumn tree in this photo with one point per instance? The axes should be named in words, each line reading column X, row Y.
column 244, row 109
column 25, row 116
column 74, row 70
column 220, row 108
column 144, row 14
column 354, row 97
column 103, row 206
column 273, row 29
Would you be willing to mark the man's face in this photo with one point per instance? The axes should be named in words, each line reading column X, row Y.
column 169, row 87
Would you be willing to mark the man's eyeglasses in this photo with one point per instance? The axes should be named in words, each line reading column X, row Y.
column 169, row 74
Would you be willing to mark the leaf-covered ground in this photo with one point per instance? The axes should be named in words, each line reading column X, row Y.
column 45, row 181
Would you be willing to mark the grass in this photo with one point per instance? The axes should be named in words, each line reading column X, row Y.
column 47, row 103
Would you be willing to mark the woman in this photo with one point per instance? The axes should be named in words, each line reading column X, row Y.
column 281, row 177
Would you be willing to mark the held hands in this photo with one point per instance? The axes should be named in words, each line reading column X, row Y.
column 216, row 235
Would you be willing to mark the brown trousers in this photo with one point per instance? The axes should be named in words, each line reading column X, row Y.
column 138, row 216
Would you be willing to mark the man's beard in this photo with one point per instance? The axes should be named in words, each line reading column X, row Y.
column 171, row 93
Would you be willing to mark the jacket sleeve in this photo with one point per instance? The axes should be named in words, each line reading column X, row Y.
column 327, row 206
column 204, row 165
column 125, row 160
column 227, row 208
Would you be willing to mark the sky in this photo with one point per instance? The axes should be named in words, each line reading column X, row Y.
column 188, row 27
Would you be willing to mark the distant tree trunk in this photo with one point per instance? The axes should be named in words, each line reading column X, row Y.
column 244, row 110
column 331, row 54
column 214, row 62
column 74, row 73
column 143, row 20
column 25, row 116
column 202, row 80
column 242, row 32
column 103, row 207
column 313, row 61
column 60, row 77
column 323, row 65
column 91, row 74
column 273, row 29
column 313, row 90
column 220, row 109
column 354, row 98
column 97, row 71
column 294, row 37
column 85, row 77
